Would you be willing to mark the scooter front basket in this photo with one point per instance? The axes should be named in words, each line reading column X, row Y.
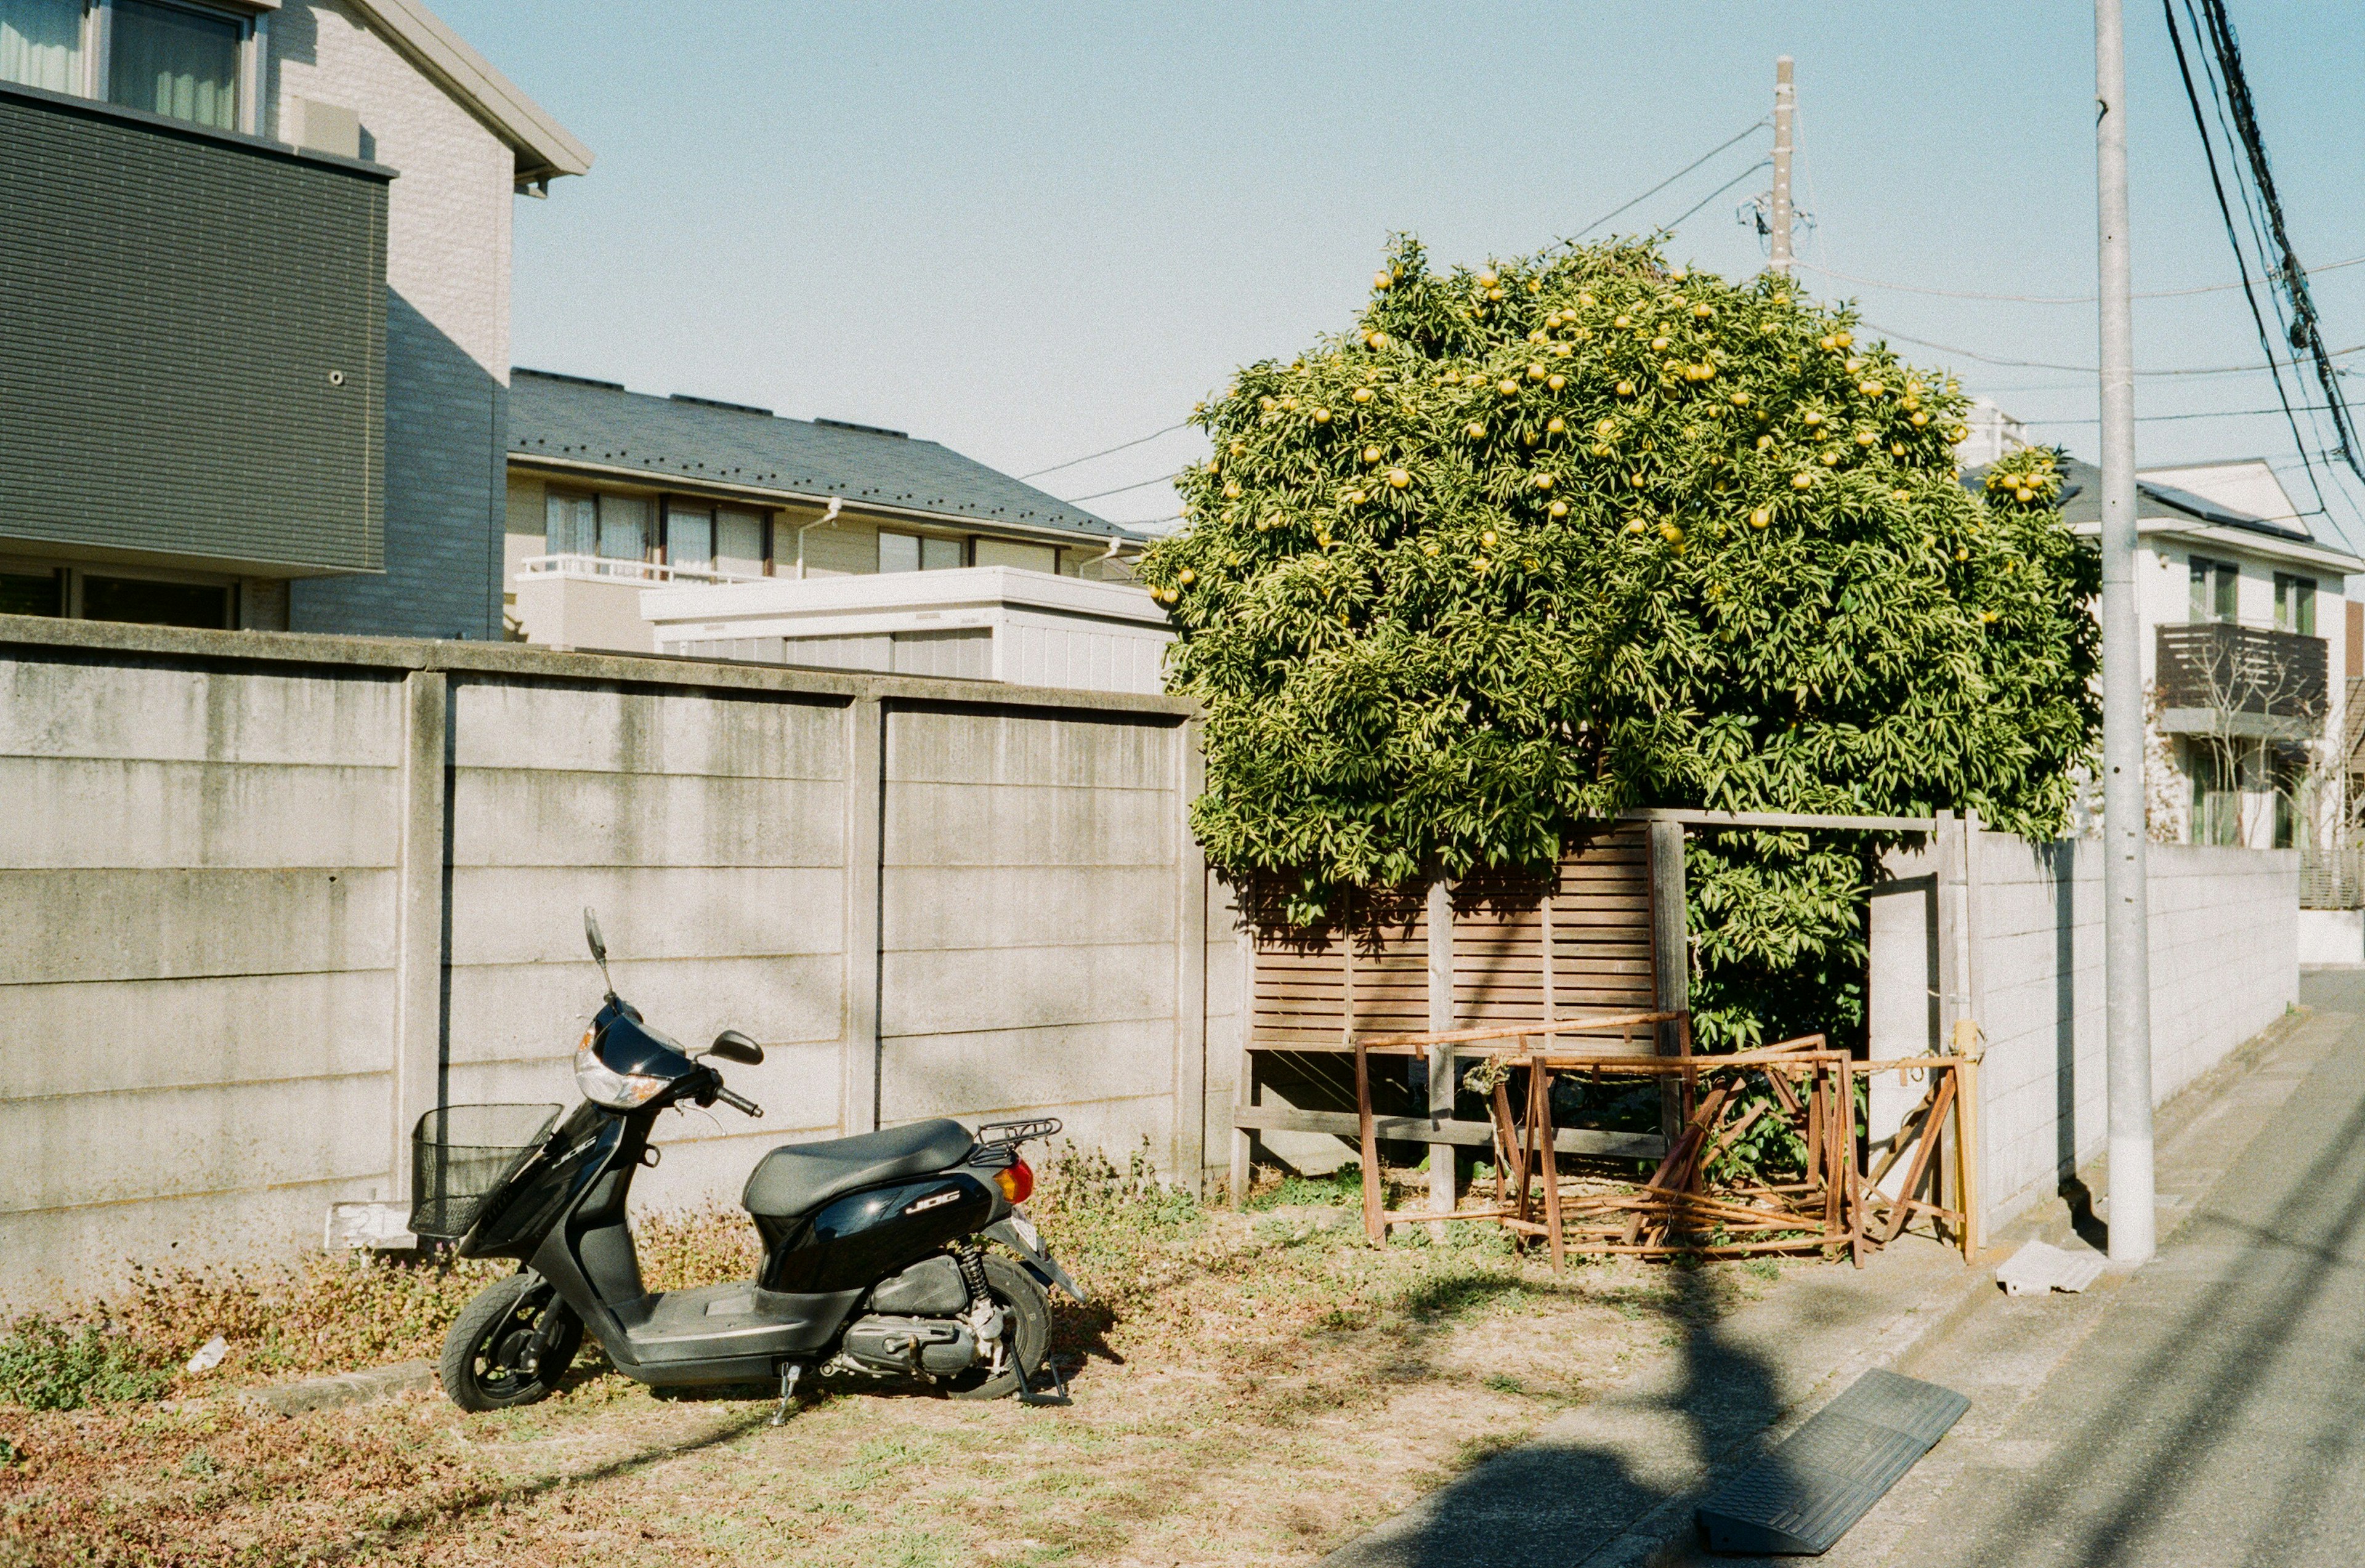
column 461, row 1155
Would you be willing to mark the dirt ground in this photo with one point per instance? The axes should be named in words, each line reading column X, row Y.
column 1249, row 1390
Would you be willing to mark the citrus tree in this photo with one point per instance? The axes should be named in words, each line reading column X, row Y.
column 1537, row 542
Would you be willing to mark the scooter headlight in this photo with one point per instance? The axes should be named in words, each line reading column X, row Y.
column 604, row 1085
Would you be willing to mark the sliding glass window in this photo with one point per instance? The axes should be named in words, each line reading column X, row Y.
column 41, row 44
column 174, row 61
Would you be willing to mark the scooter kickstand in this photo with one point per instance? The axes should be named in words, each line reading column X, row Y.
column 788, row 1375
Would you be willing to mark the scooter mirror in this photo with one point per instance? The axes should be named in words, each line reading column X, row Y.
column 733, row 1046
column 591, row 936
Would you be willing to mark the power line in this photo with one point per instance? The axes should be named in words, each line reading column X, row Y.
column 1122, row 446
column 2163, row 418
column 2087, row 369
column 1138, row 485
column 1670, row 228
column 2052, row 299
column 1748, row 130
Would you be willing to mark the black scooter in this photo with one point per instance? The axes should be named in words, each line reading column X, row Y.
column 872, row 1258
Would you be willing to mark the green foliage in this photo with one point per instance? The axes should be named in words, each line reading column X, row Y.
column 1541, row 542
column 45, row 1366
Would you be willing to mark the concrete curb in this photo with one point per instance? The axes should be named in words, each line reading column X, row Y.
column 338, row 1391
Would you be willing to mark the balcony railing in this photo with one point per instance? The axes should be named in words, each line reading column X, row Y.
column 2219, row 679
column 611, row 569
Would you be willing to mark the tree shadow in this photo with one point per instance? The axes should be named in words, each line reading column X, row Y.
column 1562, row 1498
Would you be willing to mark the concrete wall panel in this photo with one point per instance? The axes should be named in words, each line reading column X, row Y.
column 542, row 817
column 938, row 907
column 97, row 1037
column 169, row 924
column 600, row 729
column 110, row 811
column 985, row 824
column 154, row 711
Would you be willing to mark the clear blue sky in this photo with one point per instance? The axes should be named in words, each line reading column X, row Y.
column 1033, row 231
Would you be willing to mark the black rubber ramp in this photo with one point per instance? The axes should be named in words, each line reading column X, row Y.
column 1820, row 1479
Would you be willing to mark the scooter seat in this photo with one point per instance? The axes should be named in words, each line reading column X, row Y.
column 797, row 1178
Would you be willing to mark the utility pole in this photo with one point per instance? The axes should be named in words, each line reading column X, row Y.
column 1786, row 102
column 2126, row 943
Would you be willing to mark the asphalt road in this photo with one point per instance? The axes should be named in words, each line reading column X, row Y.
column 2210, row 1408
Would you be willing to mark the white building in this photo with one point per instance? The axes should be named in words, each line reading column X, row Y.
column 2249, row 647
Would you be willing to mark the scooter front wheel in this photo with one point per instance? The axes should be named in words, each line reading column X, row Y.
column 1025, row 1335
column 487, row 1354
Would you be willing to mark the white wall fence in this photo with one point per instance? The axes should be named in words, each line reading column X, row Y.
column 269, row 896
column 1985, row 925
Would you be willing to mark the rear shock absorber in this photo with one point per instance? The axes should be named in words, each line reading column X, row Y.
column 972, row 1271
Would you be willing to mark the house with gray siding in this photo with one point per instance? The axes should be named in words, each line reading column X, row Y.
column 619, row 500
column 257, row 260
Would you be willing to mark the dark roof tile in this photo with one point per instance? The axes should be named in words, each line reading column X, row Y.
column 822, row 457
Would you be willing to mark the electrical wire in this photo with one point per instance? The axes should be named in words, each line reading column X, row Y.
column 1671, row 227
column 2225, row 211
column 1137, row 485
column 1748, row 130
column 1122, row 446
column 2163, row 418
column 2087, row 369
column 2052, row 299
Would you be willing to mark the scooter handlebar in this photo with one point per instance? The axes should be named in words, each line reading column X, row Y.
column 739, row 1103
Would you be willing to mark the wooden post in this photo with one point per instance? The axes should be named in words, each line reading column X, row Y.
column 1374, row 1226
column 1548, row 1157
column 1442, row 1061
column 1670, row 959
column 1242, row 1175
column 1966, row 1156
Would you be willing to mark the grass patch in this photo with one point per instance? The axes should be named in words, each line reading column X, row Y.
column 46, row 1365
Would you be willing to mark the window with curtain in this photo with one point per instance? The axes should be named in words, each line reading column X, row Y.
column 739, row 542
column 689, row 538
column 173, row 60
column 571, row 525
column 2294, row 604
column 2216, row 587
column 623, row 528
column 41, row 44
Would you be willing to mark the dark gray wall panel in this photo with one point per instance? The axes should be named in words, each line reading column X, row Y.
column 171, row 305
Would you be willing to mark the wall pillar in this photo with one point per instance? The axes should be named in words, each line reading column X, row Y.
column 1190, row 1156
column 866, row 790
column 1670, row 953
column 422, row 913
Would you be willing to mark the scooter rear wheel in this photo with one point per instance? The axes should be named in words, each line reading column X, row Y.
column 482, row 1365
column 1025, row 1336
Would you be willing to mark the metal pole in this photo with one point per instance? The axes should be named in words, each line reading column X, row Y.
column 2127, row 947
column 1785, row 104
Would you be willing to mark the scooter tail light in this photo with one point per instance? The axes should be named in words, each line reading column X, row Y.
column 1016, row 1182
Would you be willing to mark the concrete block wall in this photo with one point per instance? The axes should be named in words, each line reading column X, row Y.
column 270, row 895
column 197, row 877
column 1041, row 907
column 2223, row 929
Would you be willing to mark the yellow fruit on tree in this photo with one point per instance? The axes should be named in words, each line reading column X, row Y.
column 1321, row 416
column 1398, row 478
column 1760, row 518
column 1764, row 442
column 1429, row 548
column 1488, row 278
column 1362, row 394
column 1473, row 430
column 1543, row 481
column 1382, row 282
column 1802, row 481
column 1623, row 321
column 1703, row 311
column 1741, row 399
column 1507, row 387
column 1658, row 345
column 1186, row 577
column 1810, row 418
column 1555, row 381
column 1558, row 509
column 1625, row 389
column 1370, row 454
column 1865, row 438
column 1555, row 424
column 1537, row 372
column 1920, row 419
column 1487, row 539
